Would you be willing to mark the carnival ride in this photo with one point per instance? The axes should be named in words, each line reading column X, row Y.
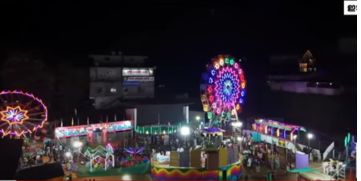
column 99, row 157
column 21, row 113
column 222, row 96
column 134, row 156
column 223, row 89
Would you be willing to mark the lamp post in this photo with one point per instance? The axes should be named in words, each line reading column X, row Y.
column 236, row 125
column 294, row 138
column 309, row 137
column 198, row 120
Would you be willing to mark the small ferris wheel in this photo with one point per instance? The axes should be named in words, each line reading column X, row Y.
column 223, row 88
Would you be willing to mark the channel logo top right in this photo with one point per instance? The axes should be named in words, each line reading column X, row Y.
column 350, row 7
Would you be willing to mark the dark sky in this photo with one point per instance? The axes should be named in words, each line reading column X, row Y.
column 178, row 35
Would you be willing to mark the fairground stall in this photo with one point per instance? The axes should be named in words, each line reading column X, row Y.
column 197, row 164
column 281, row 135
column 153, row 135
column 274, row 132
column 102, row 149
column 100, row 133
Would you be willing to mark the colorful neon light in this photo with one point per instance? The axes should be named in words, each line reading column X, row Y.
column 82, row 130
column 232, row 172
column 14, row 115
column 21, row 113
column 224, row 87
column 274, row 127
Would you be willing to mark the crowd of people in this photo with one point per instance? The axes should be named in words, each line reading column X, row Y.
column 257, row 154
column 36, row 153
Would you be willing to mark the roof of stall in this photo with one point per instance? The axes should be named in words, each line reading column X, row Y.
column 280, row 125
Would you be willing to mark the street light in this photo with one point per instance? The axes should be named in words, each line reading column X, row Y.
column 198, row 118
column 237, row 124
column 77, row 144
column 185, row 131
column 309, row 137
column 68, row 154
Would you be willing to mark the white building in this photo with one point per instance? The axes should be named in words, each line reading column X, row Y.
column 119, row 76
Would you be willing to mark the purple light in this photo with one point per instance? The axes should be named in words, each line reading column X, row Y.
column 212, row 130
column 27, row 119
column 226, row 85
column 133, row 150
column 15, row 115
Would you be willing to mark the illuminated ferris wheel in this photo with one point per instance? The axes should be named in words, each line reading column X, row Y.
column 21, row 113
column 223, row 88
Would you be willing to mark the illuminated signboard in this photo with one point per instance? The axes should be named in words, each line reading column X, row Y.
column 139, row 79
column 82, row 130
column 137, row 72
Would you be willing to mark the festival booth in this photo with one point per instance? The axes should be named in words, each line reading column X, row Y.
column 213, row 135
column 277, row 133
column 102, row 161
column 277, row 129
column 197, row 164
column 281, row 135
column 94, row 132
column 156, row 134
column 156, row 129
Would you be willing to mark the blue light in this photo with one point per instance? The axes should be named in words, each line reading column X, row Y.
column 242, row 93
column 213, row 72
column 227, row 87
column 210, row 80
column 241, row 101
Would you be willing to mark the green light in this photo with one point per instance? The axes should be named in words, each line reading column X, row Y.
column 226, row 60
column 345, row 141
column 231, row 61
column 209, row 115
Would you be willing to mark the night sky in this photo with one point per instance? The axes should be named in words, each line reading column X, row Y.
column 179, row 36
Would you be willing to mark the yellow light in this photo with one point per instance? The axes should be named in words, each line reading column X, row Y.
column 205, row 108
column 216, row 66
column 278, row 132
column 221, row 61
column 243, row 85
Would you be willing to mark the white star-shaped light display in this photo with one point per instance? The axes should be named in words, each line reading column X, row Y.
column 14, row 115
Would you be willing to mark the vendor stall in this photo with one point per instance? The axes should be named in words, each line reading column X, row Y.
column 197, row 164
